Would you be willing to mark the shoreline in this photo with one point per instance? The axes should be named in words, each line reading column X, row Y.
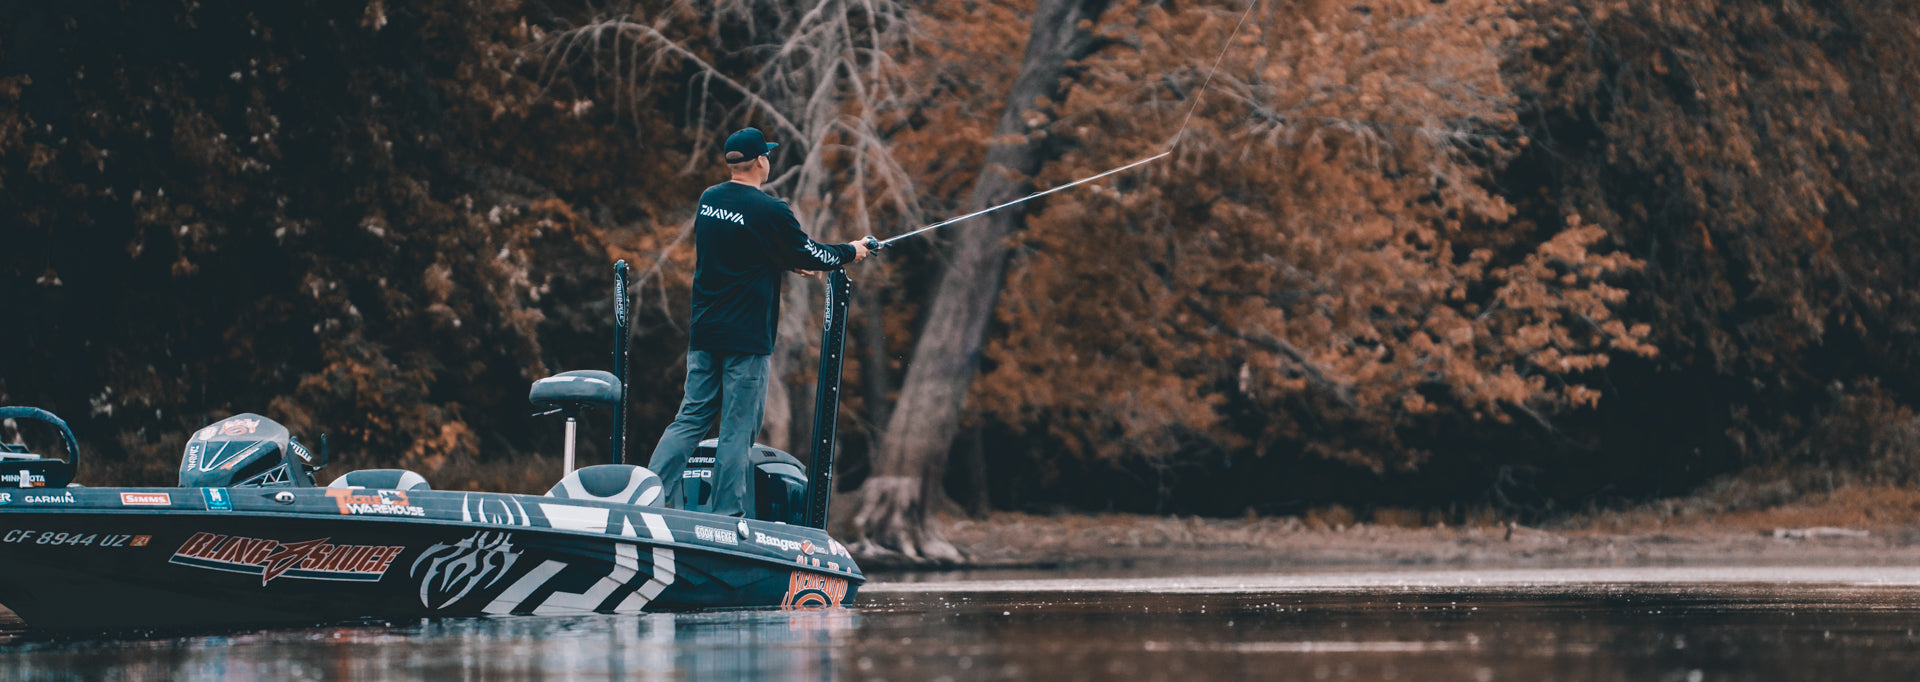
column 1016, row 541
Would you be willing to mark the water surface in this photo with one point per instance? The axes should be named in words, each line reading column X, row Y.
column 1571, row 624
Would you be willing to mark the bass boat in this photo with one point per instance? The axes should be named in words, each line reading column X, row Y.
column 247, row 538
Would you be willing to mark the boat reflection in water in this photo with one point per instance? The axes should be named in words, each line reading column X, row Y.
column 726, row 644
column 1646, row 623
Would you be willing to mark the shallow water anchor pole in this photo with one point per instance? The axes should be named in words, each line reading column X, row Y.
column 619, row 368
column 826, row 398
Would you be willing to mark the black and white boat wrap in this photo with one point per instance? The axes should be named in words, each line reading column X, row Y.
column 146, row 557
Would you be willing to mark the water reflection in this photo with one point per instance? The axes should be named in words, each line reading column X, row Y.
column 1856, row 624
column 668, row 646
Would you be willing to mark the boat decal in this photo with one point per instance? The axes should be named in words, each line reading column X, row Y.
column 52, row 498
column 811, row 590
column 271, row 559
column 146, row 499
column 620, row 590
column 238, row 426
column 783, row 544
column 626, row 563
column 219, row 459
column 498, row 511
column 380, row 502
column 23, row 479
column 518, row 592
column 657, row 527
column 454, row 570
column 569, row 517
column 74, row 539
column 6, row 498
column 718, row 536
column 217, row 499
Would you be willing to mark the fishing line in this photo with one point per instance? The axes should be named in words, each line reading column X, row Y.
column 1216, row 69
column 874, row 244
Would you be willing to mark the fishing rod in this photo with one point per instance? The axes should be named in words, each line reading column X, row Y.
column 874, row 244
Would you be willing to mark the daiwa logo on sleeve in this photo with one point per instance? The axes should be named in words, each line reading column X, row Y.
column 722, row 214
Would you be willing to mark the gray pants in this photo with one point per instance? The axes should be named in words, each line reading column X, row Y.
column 739, row 381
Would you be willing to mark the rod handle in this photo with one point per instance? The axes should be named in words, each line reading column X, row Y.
column 873, row 245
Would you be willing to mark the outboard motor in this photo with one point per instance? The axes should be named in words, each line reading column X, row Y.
column 779, row 485
column 246, row 450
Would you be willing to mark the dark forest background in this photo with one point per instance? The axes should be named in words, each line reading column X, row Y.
column 1526, row 256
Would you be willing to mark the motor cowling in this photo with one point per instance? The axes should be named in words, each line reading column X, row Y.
column 778, row 484
column 245, row 450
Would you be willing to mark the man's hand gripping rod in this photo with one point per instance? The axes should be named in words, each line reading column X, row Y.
column 876, row 244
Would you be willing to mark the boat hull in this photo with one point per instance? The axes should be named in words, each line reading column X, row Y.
column 116, row 558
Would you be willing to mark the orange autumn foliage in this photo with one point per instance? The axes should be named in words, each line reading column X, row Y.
column 1310, row 249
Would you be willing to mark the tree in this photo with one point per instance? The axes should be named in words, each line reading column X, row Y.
column 356, row 219
column 1325, row 249
column 912, row 452
column 1760, row 158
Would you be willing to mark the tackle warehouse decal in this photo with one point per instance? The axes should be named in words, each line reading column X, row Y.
column 381, row 502
column 146, row 499
column 807, row 590
column 270, row 559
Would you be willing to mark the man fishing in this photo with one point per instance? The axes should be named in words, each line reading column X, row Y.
column 744, row 241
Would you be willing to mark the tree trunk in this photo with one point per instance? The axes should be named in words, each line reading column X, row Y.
column 789, row 408
column 912, row 457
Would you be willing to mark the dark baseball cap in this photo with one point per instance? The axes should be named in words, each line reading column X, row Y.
column 747, row 144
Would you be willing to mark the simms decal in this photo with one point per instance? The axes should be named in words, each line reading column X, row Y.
column 270, row 559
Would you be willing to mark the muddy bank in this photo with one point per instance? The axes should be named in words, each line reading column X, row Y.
column 1866, row 527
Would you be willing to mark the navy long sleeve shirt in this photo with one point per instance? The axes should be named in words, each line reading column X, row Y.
column 745, row 241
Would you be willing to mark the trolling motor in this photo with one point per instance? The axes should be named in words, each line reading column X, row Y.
column 22, row 469
column 569, row 393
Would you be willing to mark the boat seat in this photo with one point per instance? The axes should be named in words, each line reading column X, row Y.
column 580, row 388
column 384, row 479
column 622, row 483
